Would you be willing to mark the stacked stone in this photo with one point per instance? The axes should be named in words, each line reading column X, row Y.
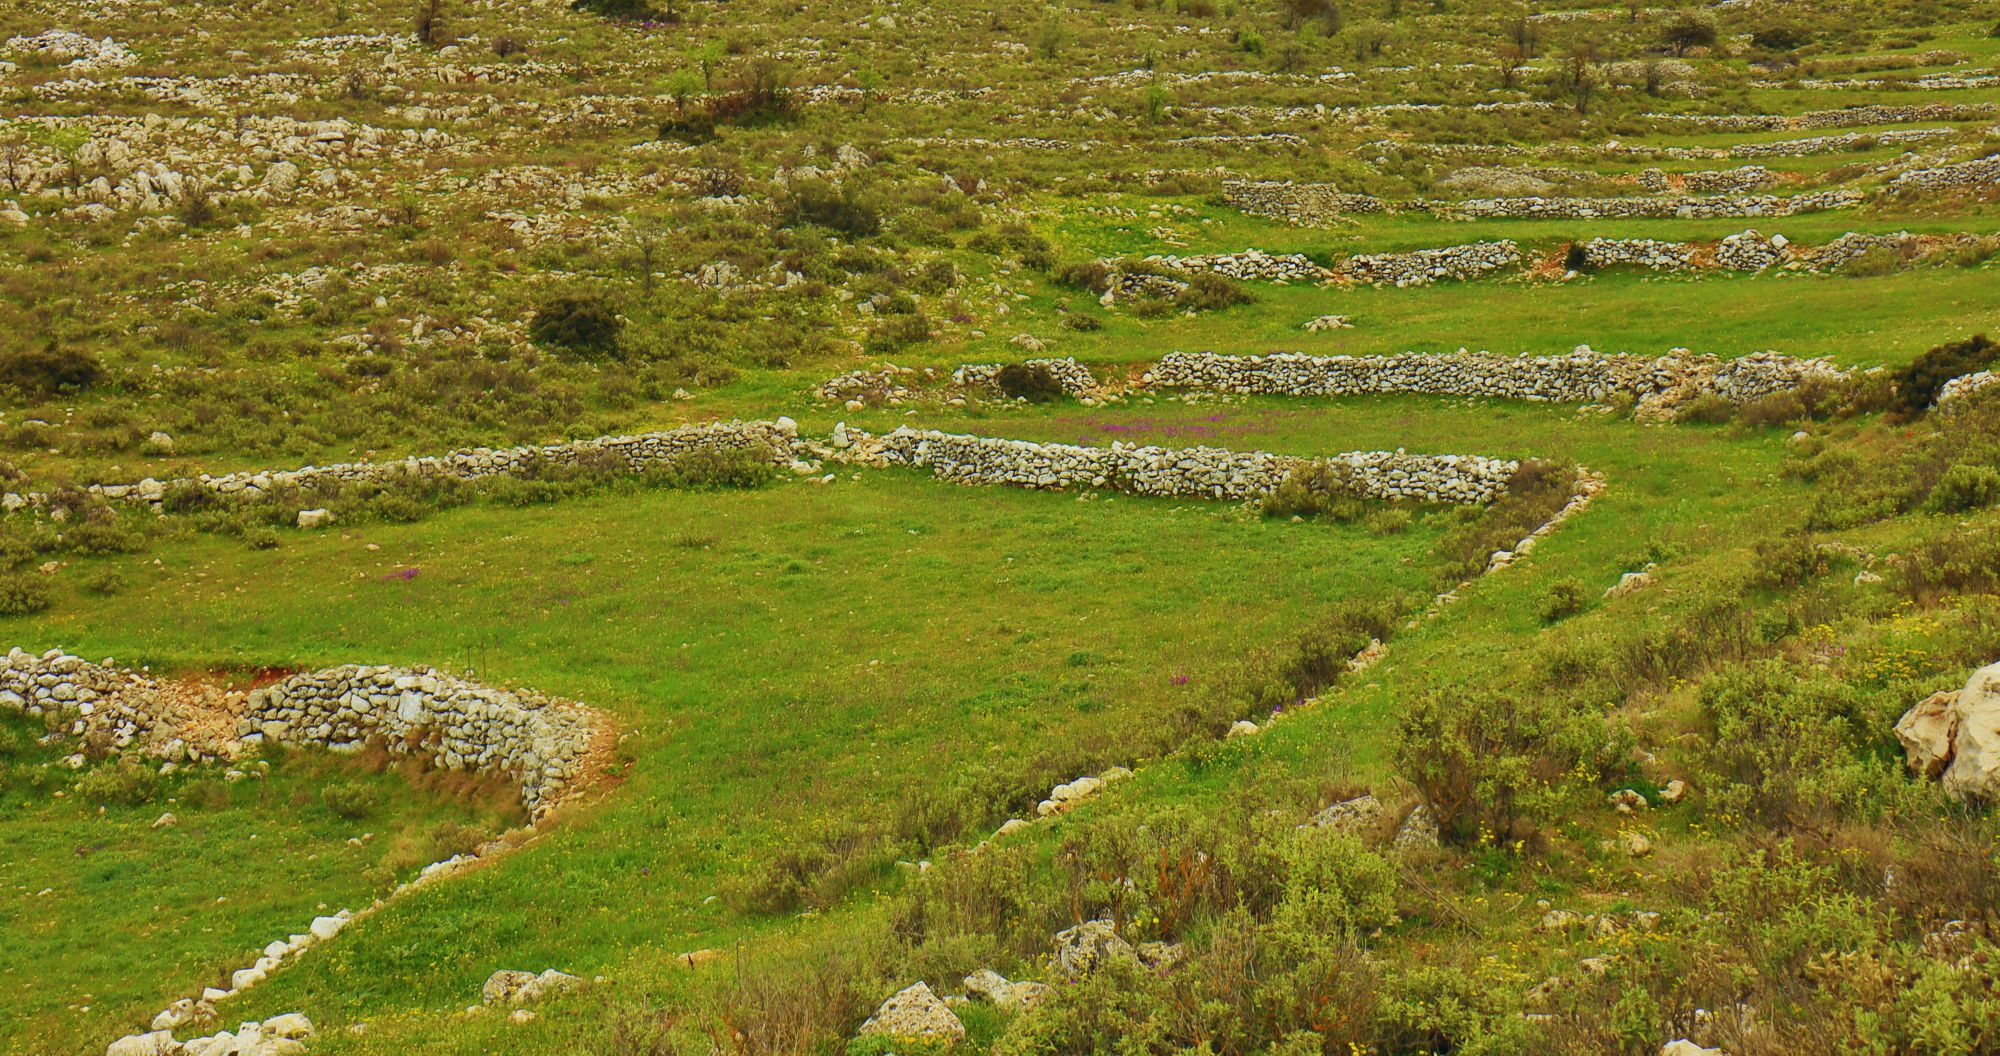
column 1728, row 181
column 541, row 743
column 1195, row 472
column 1846, row 249
column 635, row 453
column 1824, row 144
column 1249, row 265
column 1424, row 266
column 1681, row 206
column 1130, row 286
column 1638, row 253
column 1982, row 173
column 1750, row 251
column 1957, row 389
column 1300, row 204
column 1074, row 377
column 1881, row 114
column 1580, row 376
column 883, row 384
column 100, row 707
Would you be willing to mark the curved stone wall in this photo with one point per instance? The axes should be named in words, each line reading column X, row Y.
column 540, row 744
column 1982, row 173
column 1074, row 377
column 1422, row 267
column 1678, row 205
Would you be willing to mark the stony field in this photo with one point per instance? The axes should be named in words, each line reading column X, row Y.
column 1149, row 527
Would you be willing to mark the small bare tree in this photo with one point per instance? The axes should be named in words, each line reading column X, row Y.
column 430, row 24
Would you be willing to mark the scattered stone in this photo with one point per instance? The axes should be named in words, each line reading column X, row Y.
column 915, row 1012
column 1083, row 949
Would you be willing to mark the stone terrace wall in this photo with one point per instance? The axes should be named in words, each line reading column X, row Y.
column 636, row 453
column 1194, row 472
column 1301, row 204
column 1424, row 266
column 1640, row 253
column 540, row 743
column 1984, row 172
column 1681, row 205
column 1965, row 385
column 1580, row 376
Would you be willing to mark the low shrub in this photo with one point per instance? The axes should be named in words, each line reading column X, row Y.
column 50, row 370
column 1315, row 489
column 1207, row 291
column 350, row 799
column 1566, row 598
column 1963, row 488
column 1708, row 409
column 23, row 594
column 583, row 324
column 723, row 468
column 1493, row 767
column 124, row 783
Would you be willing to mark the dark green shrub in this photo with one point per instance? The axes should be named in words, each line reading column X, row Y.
column 1032, row 382
column 105, row 581
column 1576, row 258
column 1788, row 561
column 1781, row 37
column 632, row 10
column 1091, row 275
column 1207, row 291
column 23, row 593
column 350, row 799
column 1917, row 385
column 1565, row 598
column 580, row 323
column 50, row 370
column 1082, row 322
column 1708, row 409
column 843, row 207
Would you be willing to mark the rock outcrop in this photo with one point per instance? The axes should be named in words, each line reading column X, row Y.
column 1955, row 736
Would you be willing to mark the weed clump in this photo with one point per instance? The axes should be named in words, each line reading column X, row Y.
column 582, row 324
column 1032, row 382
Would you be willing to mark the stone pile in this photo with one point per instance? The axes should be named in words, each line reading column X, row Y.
column 104, row 709
column 1319, row 324
column 1750, row 251
column 1638, row 253
column 1680, row 206
column 280, row 1035
column 540, row 743
column 1422, row 267
column 1195, row 472
column 1982, row 173
column 1249, row 265
column 634, row 453
column 884, row 385
column 1963, row 386
column 1301, row 204
column 1659, row 383
column 1074, row 377
column 77, row 52
column 1139, row 286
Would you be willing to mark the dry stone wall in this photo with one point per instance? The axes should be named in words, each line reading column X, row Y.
column 1300, row 204
column 542, row 745
column 1194, row 472
column 1959, row 388
column 635, row 453
column 1665, row 206
column 1424, row 266
column 1639, row 253
column 1659, row 383
column 1249, row 265
column 1982, row 173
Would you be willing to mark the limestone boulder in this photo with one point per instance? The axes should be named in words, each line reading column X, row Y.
column 1082, row 950
column 154, row 1043
column 1974, row 772
column 1927, row 731
column 915, row 1012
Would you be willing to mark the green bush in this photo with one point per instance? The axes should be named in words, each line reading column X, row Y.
column 1566, row 598
column 1708, row 409
column 630, row 10
column 1963, row 488
column 350, row 799
column 1032, row 382
column 124, row 783
column 1492, row 766
column 844, row 207
column 583, row 324
column 1315, row 489
column 1207, row 291
column 23, row 593
column 721, row 468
